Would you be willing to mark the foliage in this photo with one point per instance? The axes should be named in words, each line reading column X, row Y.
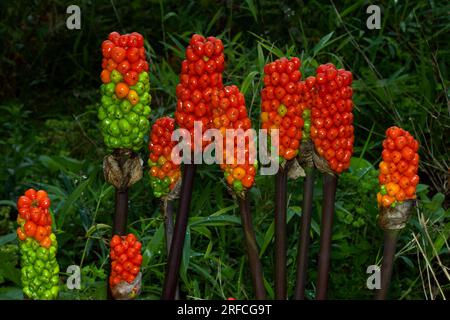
column 50, row 138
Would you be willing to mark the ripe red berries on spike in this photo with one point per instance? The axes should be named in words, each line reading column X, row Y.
column 229, row 112
column 126, row 259
column 34, row 217
column 201, row 73
column 282, row 106
column 332, row 117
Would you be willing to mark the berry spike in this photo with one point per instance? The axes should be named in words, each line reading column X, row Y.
column 123, row 115
column 332, row 117
column 201, row 74
column 239, row 166
column 38, row 246
column 126, row 260
column 398, row 170
column 164, row 174
column 281, row 104
column 229, row 112
column 125, row 102
column 282, row 110
column 332, row 135
column 398, row 181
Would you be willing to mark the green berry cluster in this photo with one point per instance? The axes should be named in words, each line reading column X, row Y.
column 124, row 121
column 40, row 270
column 160, row 187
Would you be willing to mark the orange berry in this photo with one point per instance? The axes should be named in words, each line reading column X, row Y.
column 115, row 241
column 396, row 156
column 248, row 181
column 410, row 192
column 21, row 234
column 40, row 234
column 105, row 76
column 230, row 179
column 31, row 193
column 404, row 183
column 167, row 166
column 46, row 242
column 408, row 154
column 238, row 173
column 154, row 171
column 30, row 228
column 401, row 195
column 133, row 97
column 290, row 154
column 395, row 177
column 122, row 90
column 161, row 174
column 387, row 200
column 379, row 197
column 384, row 168
column 392, row 188
column 41, row 194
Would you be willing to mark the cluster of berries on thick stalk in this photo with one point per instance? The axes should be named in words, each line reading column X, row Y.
column 332, row 117
column 201, row 74
column 38, row 246
column 229, row 112
column 398, row 170
column 126, row 259
column 281, row 104
column 125, row 102
column 164, row 174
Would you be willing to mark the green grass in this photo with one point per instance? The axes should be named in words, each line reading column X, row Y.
column 49, row 138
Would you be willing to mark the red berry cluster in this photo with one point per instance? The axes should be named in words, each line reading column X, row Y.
column 34, row 217
column 126, row 54
column 281, row 107
column 126, row 259
column 201, row 74
column 163, row 172
column 332, row 117
column 229, row 112
column 398, row 171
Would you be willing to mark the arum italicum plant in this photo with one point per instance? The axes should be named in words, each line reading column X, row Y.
column 201, row 74
column 281, row 110
column 398, row 180
column 333, row 138
column 229, row 112
column 165, row 175
column 123, row 113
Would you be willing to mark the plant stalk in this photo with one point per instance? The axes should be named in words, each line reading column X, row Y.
column 329, row 192
column 252, row 249
column 121, row 214
column 280, row 233
column 168, row 227
column 176, row 248
column 305, row 226
column 390, row 242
